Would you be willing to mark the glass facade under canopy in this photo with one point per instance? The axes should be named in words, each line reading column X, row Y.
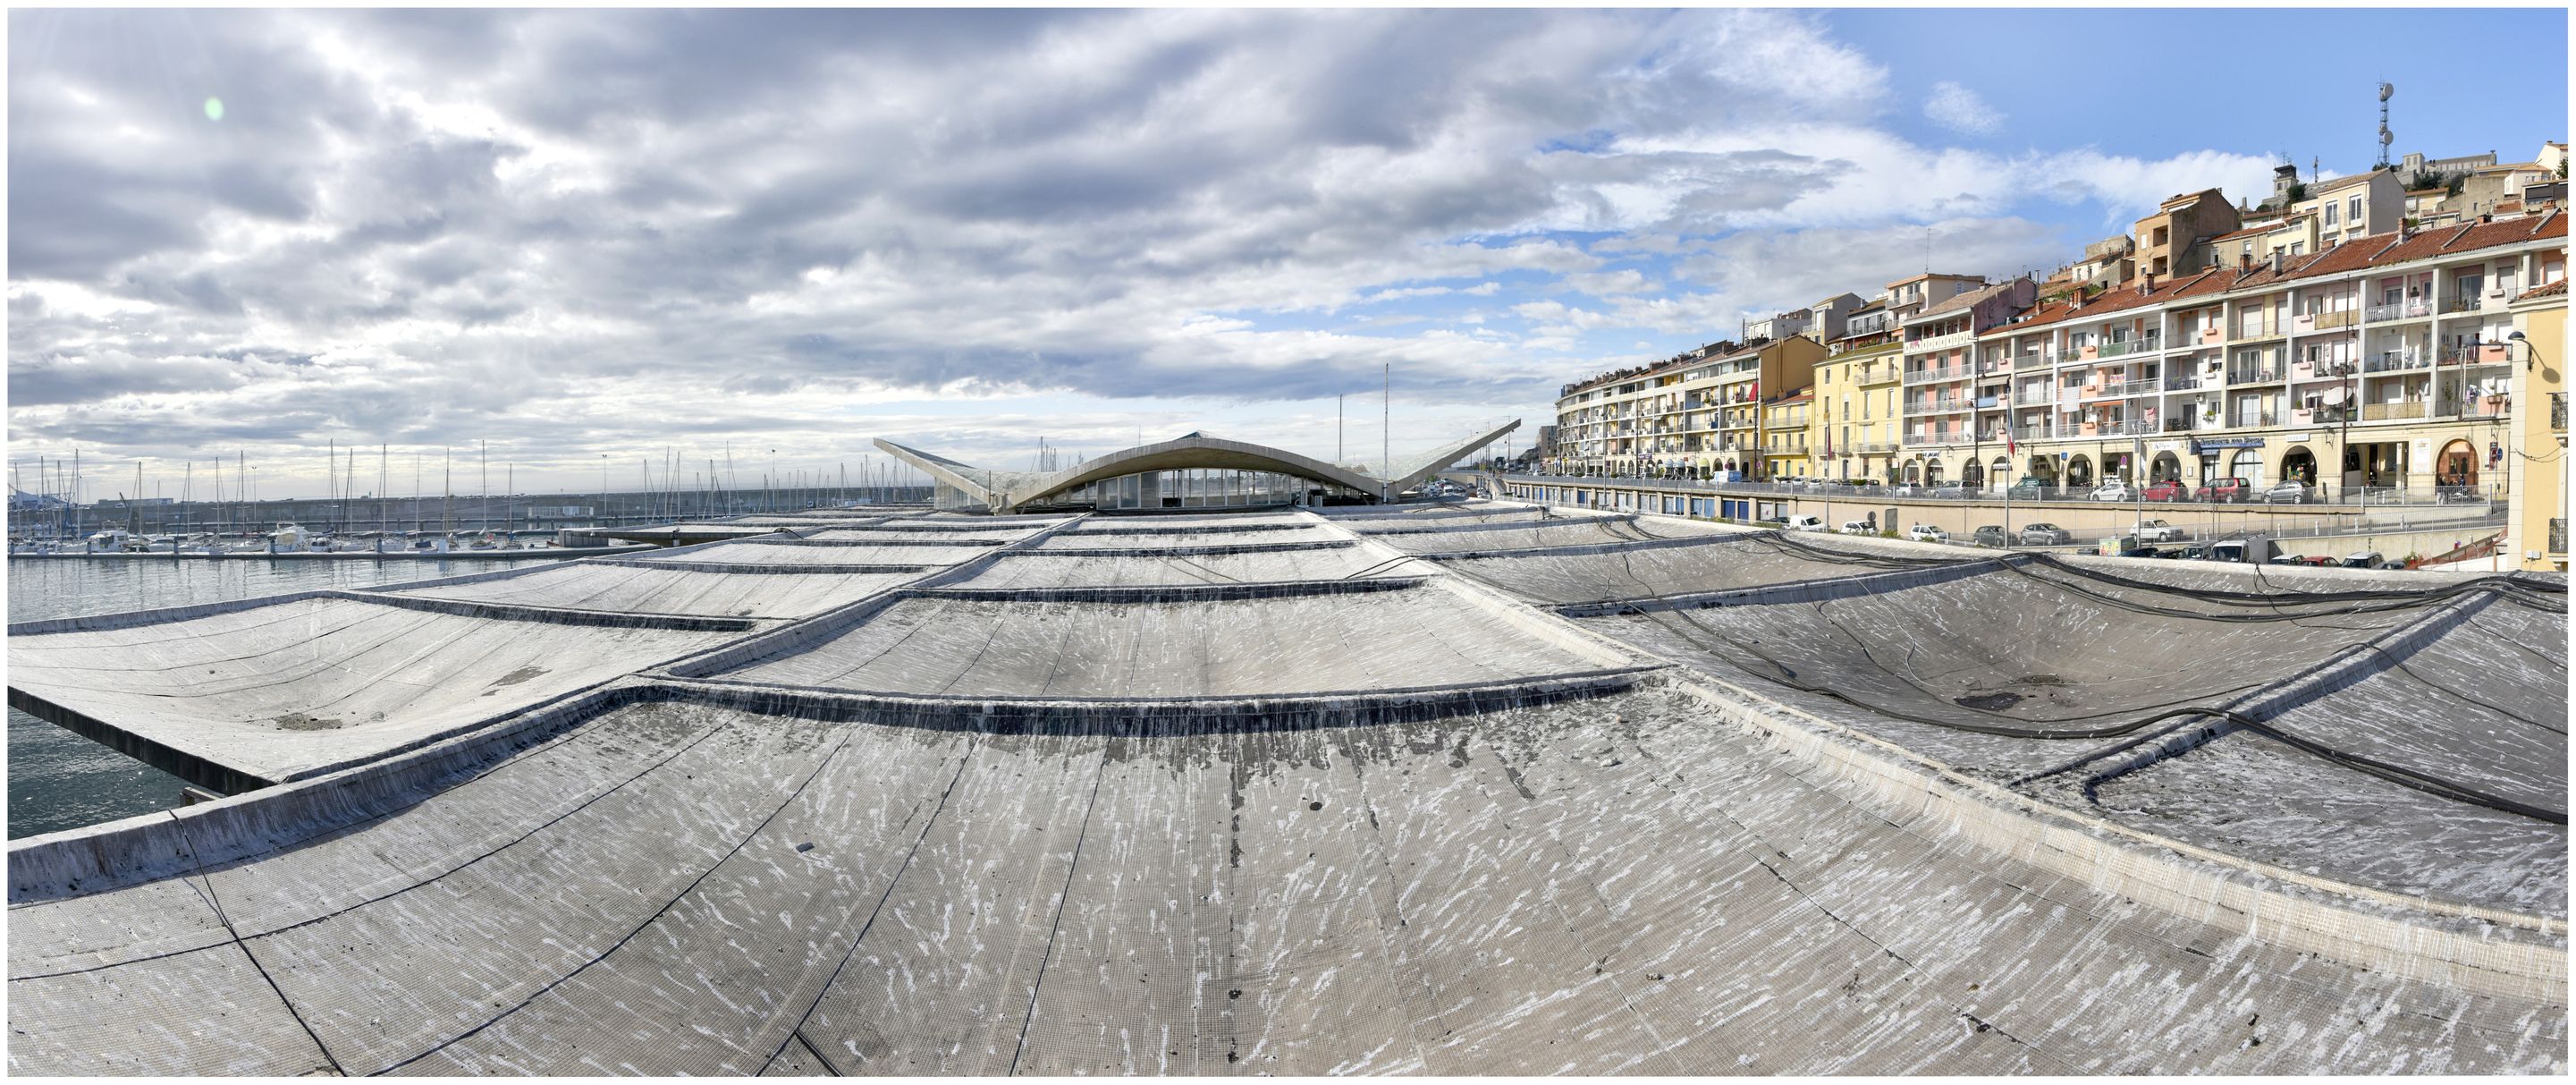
column 1198, row 488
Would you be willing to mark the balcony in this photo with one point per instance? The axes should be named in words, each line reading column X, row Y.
column 2255, row 419
column 1950, row 341
column 2146, row 345
column 2034, row 397
column 2262, row 375
column 2478, row 408
column 1944, row 373
column 2475, row 354
column 2396, row 361
column 2341, row 318
column 2408, row 309
column 2390, row 412
column 2181, row 382
column 1872, row 448
column 2469, row 304
column 1939, row 405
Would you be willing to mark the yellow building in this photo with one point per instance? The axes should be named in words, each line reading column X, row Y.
column 1785, row 429
column 2536, row 538
column 1854, row 425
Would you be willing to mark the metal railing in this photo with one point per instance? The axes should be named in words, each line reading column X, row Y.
column 2462, row 506
column 2035, row 397
column 1944, row 373
column 2383, row 412
column 2473, row 354
column 2395, row 361
column 2264, row 375
column 2340, row 318
column 2181, row 382
column 2403, row 310
column 2469, row 304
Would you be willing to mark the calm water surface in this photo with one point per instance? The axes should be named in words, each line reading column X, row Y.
column 59, row 780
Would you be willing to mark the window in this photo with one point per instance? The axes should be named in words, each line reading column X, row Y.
column 2330, row 215
column 2352, row 209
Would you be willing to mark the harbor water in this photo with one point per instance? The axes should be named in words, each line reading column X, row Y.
column 59, row 780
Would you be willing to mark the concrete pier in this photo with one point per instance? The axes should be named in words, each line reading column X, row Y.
column 1461, row 789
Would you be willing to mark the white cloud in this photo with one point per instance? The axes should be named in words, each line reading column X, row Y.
column 1954, row 106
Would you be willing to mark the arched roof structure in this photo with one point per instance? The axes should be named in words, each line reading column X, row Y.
column 1006, row 491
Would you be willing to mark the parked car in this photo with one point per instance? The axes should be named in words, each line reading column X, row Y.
column 2228, row 490
column 1991, row 535
column 2367, row 559
column 1946, row 489
column 2112, row 491
column 2156, row 531
column 2172, row 489
column 2292, row 492
column 1805, row 523
column 2302, row 559
column 2026, row 490
column 2045, row 535
column 1927, row 533
column 1860, row 527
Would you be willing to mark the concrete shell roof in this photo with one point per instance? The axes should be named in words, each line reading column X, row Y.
column 1012, row 489
column 1459, row 789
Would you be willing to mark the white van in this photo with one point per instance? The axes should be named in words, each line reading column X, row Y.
column 1860, row 527
column 1803, row 523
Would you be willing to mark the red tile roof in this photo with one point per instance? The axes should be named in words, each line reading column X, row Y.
column 2545, row 290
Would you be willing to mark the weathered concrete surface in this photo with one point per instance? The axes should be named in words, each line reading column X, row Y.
column 1607, row 885
column 278, row 691
column 1177, row 648
column 1179, row 808
column 634, row 588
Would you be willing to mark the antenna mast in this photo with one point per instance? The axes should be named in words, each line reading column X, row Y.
column 2385, row 138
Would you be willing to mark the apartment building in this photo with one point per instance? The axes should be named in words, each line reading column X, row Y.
column 2178, row 236
column 1700, row 413
column 2355, row 207
column 2535, row 451
column 2380, row 362
column 1785, row 429
column 1854, row 421
column 1945, row 386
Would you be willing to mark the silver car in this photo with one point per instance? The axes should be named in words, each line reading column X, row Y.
column 2045, row 535
column 2286, row 493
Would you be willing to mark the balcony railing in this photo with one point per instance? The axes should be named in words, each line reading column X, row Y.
column 2474, row 354
column 2264, row 375
column 2184, row 424
column 2341, row 318
column 1872, row 448
column 2383, row 412
column 2401, row 310
column 2469, row 304
column 2181, row 382
column 1944, row 373
column 2035, row 397
column 2396, row 361
column 1941, row 405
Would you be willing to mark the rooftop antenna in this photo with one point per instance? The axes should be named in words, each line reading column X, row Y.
column 2385, row 90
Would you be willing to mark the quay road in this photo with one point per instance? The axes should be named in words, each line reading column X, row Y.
column 2391, row 521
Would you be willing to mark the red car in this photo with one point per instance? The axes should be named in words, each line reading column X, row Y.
column 2225, row 489
column 2168, row 490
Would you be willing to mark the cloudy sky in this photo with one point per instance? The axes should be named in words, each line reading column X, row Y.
column 584, row 233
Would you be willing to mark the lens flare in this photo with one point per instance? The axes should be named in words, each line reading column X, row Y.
column 214, row 109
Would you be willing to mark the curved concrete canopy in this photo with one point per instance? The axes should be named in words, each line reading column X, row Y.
column 1004, row 491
